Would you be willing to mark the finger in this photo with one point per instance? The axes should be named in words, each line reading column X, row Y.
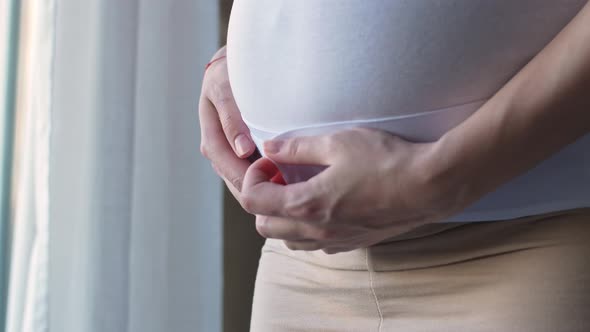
column 278, row 179
column 336, row 250
column 214, row 146
column 303, row 245
column 262, row 197
column 286, row 229
column 234, row 128
column 304, row 150
column 278, row 176
column 234, row 191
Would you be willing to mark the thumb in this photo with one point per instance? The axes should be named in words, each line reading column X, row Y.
column 261, row 171
column 304, row 150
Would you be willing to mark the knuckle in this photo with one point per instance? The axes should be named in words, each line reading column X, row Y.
column 224, row 100
column 221, row 93
column 332, row 142
column 262, row 226
column 237, row 182
column 207, row 146
column 204, row 150
column 211, row 82
column 228, row 122
column 247, row 202
column 304, row 205
column 293, row 147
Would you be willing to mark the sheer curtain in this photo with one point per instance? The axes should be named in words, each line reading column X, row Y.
column 133, row 215
column 8, row 58
column 27, row 300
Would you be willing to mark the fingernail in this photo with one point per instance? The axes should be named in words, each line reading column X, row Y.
column 273, row 147
column 243, row 145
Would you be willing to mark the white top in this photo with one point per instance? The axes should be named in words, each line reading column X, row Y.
column 416, row 68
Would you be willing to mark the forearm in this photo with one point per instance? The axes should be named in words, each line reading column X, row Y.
column 542, row 109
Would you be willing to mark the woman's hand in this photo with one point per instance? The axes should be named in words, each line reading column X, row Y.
column 225, row 138
column 376, row 186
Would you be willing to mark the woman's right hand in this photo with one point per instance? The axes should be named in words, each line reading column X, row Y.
column 225, row 138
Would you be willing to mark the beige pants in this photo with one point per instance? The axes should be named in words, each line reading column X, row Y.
column 528, row 274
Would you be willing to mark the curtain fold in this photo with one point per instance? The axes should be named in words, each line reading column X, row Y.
column 28, row 288
column 9, row 24
column 135, row 213
column 118, row 220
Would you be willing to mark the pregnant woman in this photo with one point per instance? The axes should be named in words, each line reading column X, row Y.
column 425, row 164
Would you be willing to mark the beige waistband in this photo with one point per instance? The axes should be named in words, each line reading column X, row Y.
column 448, row 243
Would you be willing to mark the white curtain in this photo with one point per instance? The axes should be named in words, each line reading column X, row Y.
column 28, row 282
column 133, row 214
column 7, row 77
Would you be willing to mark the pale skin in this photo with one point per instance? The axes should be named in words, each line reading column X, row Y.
column 394, row 186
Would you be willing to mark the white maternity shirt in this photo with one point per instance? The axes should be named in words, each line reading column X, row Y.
column 415, row 68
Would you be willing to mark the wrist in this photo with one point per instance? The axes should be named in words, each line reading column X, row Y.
column 453, row 185
column 471, row 159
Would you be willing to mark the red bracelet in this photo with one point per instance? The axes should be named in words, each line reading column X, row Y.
column 214, row 61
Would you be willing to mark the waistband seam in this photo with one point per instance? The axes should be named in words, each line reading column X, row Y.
column 367, row 121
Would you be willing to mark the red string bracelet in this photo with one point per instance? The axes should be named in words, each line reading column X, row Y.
column 214, row 61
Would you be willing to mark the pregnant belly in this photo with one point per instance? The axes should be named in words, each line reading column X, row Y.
column 415, row 68
column 303, row 64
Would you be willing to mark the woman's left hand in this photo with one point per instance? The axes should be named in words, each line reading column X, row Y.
column 376, row 186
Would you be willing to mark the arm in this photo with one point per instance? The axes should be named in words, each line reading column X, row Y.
column 542, row 109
